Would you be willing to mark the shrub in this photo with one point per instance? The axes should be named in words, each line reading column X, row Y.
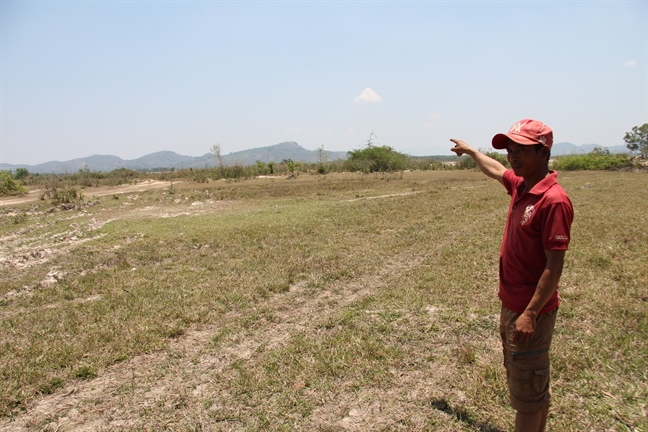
column 499, row 157
column 19, row 217
column 21, row 173
column 437, row 166
column 376, row 158
column 261, row 168
column 597, row 159
column 466, row 162
column 59, row 196
column 200, row 176
column 290, row 166
column 9, row 186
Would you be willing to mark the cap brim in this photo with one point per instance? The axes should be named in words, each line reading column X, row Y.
column 500, row 140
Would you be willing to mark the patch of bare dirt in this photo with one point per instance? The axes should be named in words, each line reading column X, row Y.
column 34, row 195
column 21, row 252
column 384, row 196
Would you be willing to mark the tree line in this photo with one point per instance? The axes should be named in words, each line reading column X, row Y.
column 371, row 158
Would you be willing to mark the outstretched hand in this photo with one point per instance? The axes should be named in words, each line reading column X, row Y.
column 460, row 147
column 486, row 164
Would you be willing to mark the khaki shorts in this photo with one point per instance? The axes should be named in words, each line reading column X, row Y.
column 527, row 364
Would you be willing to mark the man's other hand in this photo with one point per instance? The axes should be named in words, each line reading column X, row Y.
column 524, row 328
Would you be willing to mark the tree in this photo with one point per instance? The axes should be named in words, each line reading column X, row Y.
column 290, row 167
column 261, row 168
column 216, row 152
column 638, row 139
column 21, row 173
column 322, row 158
column 375, row 158
column 9, row 186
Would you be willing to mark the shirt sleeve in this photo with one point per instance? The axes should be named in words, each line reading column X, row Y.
column 509, row 179
column 556, row 226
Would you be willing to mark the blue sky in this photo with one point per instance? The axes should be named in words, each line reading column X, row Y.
column 131, row 78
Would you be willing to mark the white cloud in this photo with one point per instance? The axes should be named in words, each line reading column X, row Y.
column 367, row 96
column 323, row 132
column 308, row 132
column 630, row 63
column 431, row 123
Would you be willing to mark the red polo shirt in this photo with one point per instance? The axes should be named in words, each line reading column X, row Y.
column 538, row 220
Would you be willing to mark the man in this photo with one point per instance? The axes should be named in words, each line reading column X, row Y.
column 531, row 261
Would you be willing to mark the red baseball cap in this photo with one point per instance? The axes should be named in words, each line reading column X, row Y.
column 527, row 132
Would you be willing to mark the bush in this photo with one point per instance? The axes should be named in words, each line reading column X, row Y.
column 437, row 166
column 466, row 162
column 199, row 175
column 425, row 163
column 21, row 173
column 597, row 159
column 262, row 168
column 499, row 157
column 9, row 186
column 376, row 158
column 59, row 196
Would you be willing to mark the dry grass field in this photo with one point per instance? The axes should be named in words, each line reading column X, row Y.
column 325, row 303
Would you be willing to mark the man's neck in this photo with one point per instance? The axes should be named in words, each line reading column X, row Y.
column 535, row 178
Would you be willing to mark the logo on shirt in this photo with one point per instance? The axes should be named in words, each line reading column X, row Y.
column 528, row 212
column 561, row 237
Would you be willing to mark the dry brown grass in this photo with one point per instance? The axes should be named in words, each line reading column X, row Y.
column 320, row 303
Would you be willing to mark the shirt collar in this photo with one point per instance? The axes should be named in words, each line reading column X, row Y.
column 544, row 184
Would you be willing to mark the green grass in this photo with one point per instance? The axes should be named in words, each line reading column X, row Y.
column 316, row 303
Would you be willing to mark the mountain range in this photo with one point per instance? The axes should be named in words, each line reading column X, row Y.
column 274, row 153
column 566, row 148
column 169, row 160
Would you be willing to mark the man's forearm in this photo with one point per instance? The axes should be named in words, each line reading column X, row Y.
column 525, row 324
column 544, row 290
column 548, row 282
column 487, row 164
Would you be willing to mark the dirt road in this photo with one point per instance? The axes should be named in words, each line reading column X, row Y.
column 34, row 195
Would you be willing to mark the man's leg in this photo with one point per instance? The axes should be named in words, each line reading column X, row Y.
column 527, row 369
column 531, row 421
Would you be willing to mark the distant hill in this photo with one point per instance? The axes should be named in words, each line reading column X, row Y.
column 101, row 162
column 169, row 159
column 160, row 159
column 565, row 148
column 277, row 153
column 274, row 153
